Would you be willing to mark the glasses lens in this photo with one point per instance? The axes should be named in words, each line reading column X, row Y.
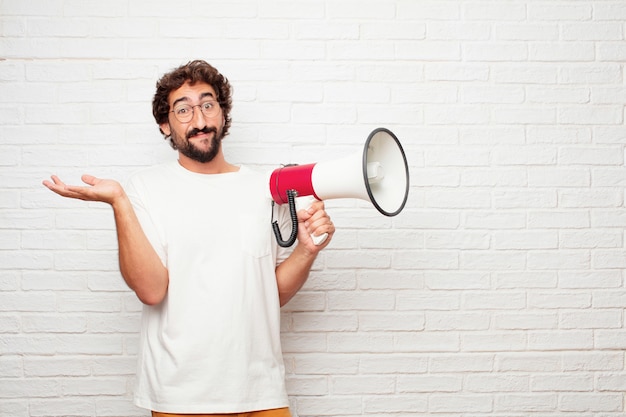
column 209, row 108
column 183, row 113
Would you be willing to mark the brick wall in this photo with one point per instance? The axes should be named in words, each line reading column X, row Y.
column 499, row 290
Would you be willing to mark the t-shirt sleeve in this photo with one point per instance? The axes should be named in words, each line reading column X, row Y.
column 148, row 226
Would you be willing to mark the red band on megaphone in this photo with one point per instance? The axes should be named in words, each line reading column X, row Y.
column 295, row 177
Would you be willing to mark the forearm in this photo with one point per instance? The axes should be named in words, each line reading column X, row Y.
column 140, row 265
column 293, row 273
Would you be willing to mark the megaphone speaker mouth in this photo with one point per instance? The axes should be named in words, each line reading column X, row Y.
column 385, row 172
column 379, row 174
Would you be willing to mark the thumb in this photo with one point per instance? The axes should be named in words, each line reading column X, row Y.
column 89, row 179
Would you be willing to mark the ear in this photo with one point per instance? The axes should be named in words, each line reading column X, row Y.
column 165, row 128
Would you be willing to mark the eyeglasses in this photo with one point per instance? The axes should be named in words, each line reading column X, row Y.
column 184, row 112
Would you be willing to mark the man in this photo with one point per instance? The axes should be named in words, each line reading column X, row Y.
column 195, row 244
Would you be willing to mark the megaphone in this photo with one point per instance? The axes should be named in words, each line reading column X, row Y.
column 378, row 174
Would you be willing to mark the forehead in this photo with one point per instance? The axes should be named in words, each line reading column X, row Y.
column 191, row 92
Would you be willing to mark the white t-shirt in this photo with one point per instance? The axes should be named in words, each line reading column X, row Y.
column 213, row 344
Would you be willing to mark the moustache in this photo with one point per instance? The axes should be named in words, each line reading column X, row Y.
column 206, row 129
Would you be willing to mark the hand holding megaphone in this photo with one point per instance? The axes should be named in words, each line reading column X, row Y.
column 378, row 174
column 304, row 203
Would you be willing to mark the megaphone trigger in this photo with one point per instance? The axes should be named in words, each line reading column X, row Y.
column 304, row 203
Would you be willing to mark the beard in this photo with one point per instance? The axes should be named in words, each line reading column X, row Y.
column 190, row 150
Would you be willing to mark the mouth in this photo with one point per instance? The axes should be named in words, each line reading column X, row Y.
column 200, row 134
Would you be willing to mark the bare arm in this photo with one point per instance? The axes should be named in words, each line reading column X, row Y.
column 294, row 271
column 140, row 265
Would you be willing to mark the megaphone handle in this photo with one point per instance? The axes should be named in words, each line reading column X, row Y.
column 303, row 203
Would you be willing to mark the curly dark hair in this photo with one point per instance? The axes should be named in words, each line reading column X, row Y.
column 193, row 72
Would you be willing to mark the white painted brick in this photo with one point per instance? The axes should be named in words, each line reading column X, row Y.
column 593, row 361
column 467, row 31
column 392, row 364
column 564, row 259
column 33, row 388
column 583, row 279
column 52, row 323
column 526, row 240
column 558, row 177
column 11, row 367
column 82, row 386
column 572, row 95
column 426, row 342
column 528, row 362
column 329, row 406
column 455, row 403
column 360, row 342
column 604, row 31
column 456, row 72
column 428, row 50
column 559, row 11
column 307, row 322
column 494, row 220
column 591, row 402
column 73, row 406
column 502, row 260
column 445, row 321
column 572, row 219
column 429, row 383
column 525, row 321
column 525, row 115
column 493, row 342
column 395, row 404
column 527, row 32
column 612, row 382
column 56, row 367
column 611, row 52
column 531, row 199
column 323, row 363
column 457, row 280
column 116, row 406
column 496, row 383
column 491, row 300
column 304, row 342
column 307, row 386
column 561, row 134
column 590, row 74
column 608, row 298
column 605, row 115
column 535, row 279
column 391, row 322
column 609, row 259
column 562, row 52
column 579, row 239
column 351, row 300
column 526, row 402
column 614, row 340
column 495, row 52
column 560, row 340
column 549, row 300
column 601, row 319
column 356, row 385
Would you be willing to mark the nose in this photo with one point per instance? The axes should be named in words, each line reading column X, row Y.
column 198, row 121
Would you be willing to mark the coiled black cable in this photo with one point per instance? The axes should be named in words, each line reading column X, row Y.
column 291, row 200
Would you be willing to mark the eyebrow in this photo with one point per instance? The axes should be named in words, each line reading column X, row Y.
column 202, row 96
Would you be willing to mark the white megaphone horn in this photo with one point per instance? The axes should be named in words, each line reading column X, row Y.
column 379, row 174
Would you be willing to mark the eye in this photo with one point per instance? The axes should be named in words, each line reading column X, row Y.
column 207, row 105
column 182, row 110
